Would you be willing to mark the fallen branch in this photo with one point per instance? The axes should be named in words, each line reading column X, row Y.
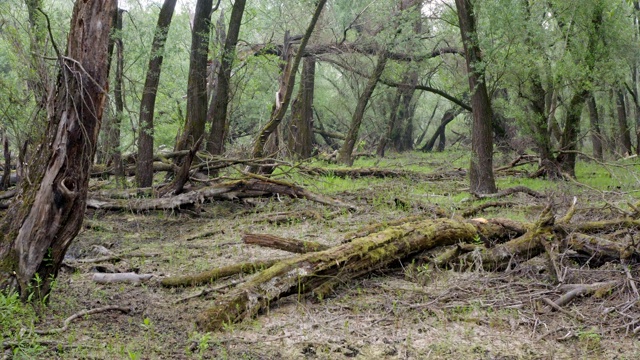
column 210, row 276
column 511, row 191
column 132, row 278
column 68, row 321
column 474, row 210
column 318, row 272
column 290, row 245
column 224, row 191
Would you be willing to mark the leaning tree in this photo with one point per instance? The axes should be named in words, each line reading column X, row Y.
column 49, row 208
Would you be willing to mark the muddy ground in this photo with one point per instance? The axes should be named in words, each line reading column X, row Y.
column 411, row 311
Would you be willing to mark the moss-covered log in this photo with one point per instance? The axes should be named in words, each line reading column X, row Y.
column 210, row 276
column 305, row 273
column 290, row 245
column 601, row 250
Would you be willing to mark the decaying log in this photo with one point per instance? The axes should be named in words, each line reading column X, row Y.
column 222, row 191
column 312, row 271
column 383, row 173
column 601, row 250
column 511, row 191
column 474, row 210
column 215, row 274
column 514, row 251
column 133, row 278
column 290, row 245
column 477, row 243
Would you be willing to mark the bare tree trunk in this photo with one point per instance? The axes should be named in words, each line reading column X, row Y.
column 144, row 165
column 569, row 142
column 448, row 117
column 197, row 82
column 300, row 134
column 219, row 125
column 48, row 210
column 481, row 169
column 6, row 176
column 623, row 127
column 113, row 134
column 344, row 155
column 283, row 99
column 596, row 134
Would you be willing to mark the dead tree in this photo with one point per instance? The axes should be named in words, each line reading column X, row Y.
column 48, row 209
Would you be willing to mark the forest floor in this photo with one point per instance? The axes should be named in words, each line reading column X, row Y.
column 411, row 311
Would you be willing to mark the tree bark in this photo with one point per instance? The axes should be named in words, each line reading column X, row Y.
column 481, row 169
column 623, row 127
column 48, row 210
column 300, row 134
column 569, row 141
column 144, row 166
column 219, row 125
column 197, row 81
column 6, row 175
column 283, row 99
column 596, row 134
column 114, row 124
column 344, row 155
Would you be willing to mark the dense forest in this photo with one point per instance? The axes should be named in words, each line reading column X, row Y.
column 426, row 113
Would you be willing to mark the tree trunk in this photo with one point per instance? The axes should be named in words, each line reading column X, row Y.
column 596, row 134
column 569, row 141
column 113, row 131
column 481, row 169
column 48, row 211
column 6, row 175
column 197, row 81
column 300, row 134
column 448, row 117
column 284, row 98
column 623, row 126
column 144, row 166
column 344, row 155
column 219, row 125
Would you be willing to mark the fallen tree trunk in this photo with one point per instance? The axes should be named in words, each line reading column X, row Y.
column 318, row 271
column 290, row 245
column 383, row 173
column 224, row 191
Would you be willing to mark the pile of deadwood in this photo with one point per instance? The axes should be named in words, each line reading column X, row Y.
column 449, row 241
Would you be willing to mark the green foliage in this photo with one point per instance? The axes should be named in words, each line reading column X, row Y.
column 16, row 327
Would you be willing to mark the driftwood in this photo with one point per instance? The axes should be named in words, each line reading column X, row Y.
column 224, row 191
column 133, row 278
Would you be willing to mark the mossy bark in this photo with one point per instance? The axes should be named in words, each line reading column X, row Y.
column 319, row 270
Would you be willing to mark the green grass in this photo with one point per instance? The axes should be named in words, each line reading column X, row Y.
column 17, row 325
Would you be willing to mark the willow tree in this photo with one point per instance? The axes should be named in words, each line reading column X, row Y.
column 481, row 169
column 49, row 208
column 144, row 165
column 285, row 92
